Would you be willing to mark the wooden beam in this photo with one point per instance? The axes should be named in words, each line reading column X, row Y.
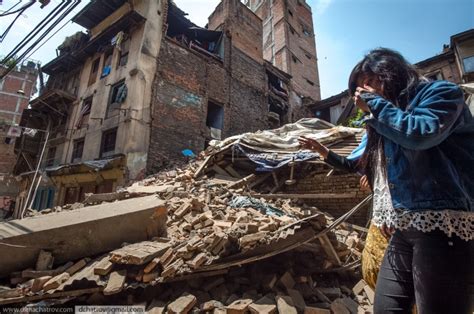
column 329, row 249
column 202, row 167
column 307, row 196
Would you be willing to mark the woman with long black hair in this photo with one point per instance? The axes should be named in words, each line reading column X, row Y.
column 419, row 160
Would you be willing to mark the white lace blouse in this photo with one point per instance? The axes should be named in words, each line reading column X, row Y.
column 451, row 222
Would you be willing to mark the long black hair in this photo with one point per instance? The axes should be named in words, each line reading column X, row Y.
column 398, row 79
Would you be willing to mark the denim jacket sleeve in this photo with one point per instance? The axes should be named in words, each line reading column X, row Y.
column 349, row 163
column 430, row 117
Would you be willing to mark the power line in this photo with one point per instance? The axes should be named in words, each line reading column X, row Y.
column 47, row 39
column 9, row 27
column 23, row 8
column 45, row 33
column 30, row 36
column 12, row 7
column 34, row 32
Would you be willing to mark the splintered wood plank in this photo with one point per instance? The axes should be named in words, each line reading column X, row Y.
column 202, row 167
column 232, row 171
column 138, row 253
column 116, row 282
column 329, row 249
column 220, row 171
column 307, row 196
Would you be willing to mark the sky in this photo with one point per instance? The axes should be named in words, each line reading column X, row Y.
column 345, row 30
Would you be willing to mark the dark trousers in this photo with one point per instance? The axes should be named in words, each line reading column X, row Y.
column 429, row 269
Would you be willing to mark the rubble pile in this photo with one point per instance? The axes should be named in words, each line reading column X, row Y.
column 226, row 250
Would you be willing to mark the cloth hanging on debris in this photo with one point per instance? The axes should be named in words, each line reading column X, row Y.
column 272, row 149
column 272, row 161
column 264, row 208
column 85, row 110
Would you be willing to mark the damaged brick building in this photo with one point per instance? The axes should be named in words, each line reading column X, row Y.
column 16, row 90
column 213, row 83
column 144, row 84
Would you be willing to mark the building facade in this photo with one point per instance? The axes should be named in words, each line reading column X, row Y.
column 16, row 90
column 214, row 83
column 141, row 88
column 289, row 41
column 95, row 106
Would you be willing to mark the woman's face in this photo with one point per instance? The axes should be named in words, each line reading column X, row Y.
column 370, row 83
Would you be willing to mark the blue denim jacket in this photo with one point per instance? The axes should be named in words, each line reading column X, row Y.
column 429, row 148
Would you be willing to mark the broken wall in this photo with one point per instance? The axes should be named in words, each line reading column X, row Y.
column 186, row 81
column 346, row 188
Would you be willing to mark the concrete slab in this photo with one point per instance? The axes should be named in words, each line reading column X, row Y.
column 71, row 235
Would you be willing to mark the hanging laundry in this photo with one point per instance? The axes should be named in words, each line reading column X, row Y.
column 117, row 40
column 14, row 131
column 106, row 71
column 121, row 94
column 85, row 110
column 30, row 132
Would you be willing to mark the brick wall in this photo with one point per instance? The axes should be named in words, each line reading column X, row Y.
column 283, row 20
column 12, row 104
column 317, row 182
column 185, row 81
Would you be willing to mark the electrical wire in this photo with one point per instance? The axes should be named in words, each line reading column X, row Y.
column 34, row 32
column 12, row 7
column 23, row 8
column 5, row 33
column 47, row 39
column 47, row 31
column 43, row 35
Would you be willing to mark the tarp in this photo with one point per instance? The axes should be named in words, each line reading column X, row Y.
column 271, row 149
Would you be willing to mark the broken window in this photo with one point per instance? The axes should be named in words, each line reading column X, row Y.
column 50, row 157
column 435, row 76
column 276, row 85
column 77, row 150
column 182, row 30
column 468, row 64
column 107, row 147
column 84, row 113
column 277, row 110
column 118, row 94
column 306, row 30
column 124, row 49
column 94, row 70
column 324, row 114
column 107, row 67
column 215, row 119
column 292, row 30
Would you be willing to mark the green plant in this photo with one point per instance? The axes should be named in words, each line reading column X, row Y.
column 354, row 121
